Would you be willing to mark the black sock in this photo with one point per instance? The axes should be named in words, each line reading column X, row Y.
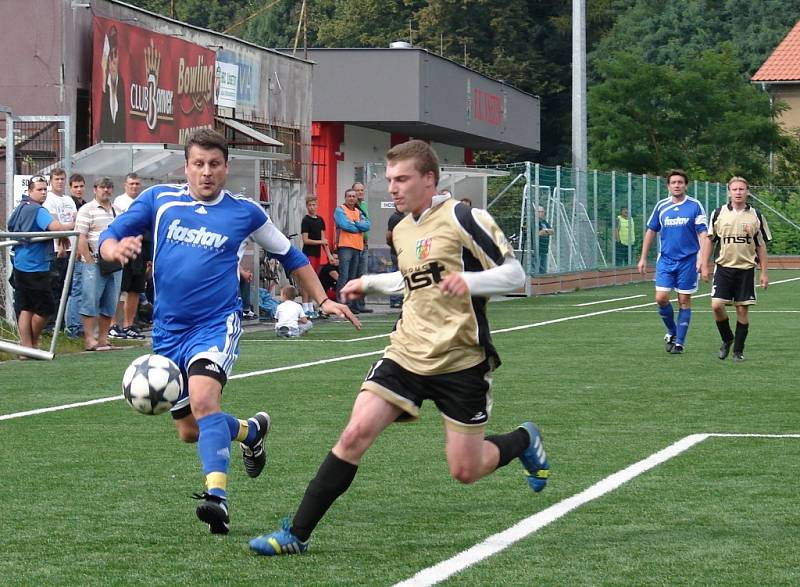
column 725, row 331
column 333, row 478
column 741, row 336
column 511, row 445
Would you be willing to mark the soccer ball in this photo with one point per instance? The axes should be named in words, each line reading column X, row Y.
column 152, row 384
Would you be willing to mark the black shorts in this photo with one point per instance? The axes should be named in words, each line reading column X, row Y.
column 33, row 292
column 734, row 286
column 463, row 398
column 133, row 279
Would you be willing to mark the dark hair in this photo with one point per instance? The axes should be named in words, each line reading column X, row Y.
column 132, row 175
column 76, row 177
column 348, row 190
column 57, row 171
column 425, row 158
column 206, row 138
column 680, row 172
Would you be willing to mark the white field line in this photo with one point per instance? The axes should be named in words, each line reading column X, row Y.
column 502, row 540
column 608, row 301
column 346, row 357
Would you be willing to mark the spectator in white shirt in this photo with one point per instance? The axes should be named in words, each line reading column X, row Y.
column 291, row 318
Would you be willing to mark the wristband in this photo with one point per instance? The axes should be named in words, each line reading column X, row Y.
column 323, row 301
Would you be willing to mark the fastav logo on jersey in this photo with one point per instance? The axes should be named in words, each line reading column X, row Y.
column 196, row 237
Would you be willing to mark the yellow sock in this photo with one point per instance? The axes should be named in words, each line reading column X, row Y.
column 217, row 481
column 243, row 429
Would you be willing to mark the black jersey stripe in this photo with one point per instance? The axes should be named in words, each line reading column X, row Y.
column 484, row 240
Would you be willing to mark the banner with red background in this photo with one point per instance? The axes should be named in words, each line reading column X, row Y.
column 147, row 87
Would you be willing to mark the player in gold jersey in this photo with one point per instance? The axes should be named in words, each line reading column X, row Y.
column 741, row 235
column 451, row 259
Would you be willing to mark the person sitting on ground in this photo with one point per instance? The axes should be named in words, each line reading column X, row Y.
column 291, row 319
column 329, row 275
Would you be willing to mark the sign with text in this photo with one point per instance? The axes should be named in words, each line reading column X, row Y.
column 227, row 82
column 148, row 87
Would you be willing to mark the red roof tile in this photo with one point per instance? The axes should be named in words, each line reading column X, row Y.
column 784, row 63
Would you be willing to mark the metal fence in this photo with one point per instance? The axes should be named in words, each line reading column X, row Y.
column 585, row 214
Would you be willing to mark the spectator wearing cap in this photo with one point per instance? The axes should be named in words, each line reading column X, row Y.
column 31, row 274
column 100, row 287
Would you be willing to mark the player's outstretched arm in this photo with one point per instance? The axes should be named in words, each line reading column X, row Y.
column 123, row 250
column 309, row 282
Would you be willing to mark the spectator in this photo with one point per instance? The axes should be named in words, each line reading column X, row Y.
column 245, row 279
column 312, row 228
column 63, row 209
column 134, row 280
column 100, row 289
column 291, row 319
column 31, row 274
column 545, row 232
column 74, row 327
column 77, row 186
column 329, row 275
column 625, row 236
column 351, row 224
column 363, row 265
column 395, row 301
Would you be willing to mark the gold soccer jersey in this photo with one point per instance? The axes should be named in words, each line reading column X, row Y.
column 438, row 333
column 738, row 235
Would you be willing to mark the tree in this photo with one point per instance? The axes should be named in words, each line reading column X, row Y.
column 703, row 116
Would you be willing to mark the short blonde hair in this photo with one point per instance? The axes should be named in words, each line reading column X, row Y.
column 310, row 199
column 738, row 178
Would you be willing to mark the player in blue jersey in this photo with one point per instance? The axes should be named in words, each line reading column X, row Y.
column 199, row 232
column 681, row 223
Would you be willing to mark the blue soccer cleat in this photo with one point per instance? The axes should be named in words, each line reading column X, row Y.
column 280, row 542
column 534, row 459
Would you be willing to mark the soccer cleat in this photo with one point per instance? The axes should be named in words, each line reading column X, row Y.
column 669, row 342
column 738, row 356
column 255, row 454
column 279, row 542
column 213, row 510
column 724, row 349
column 534, row 459
column 677, row 349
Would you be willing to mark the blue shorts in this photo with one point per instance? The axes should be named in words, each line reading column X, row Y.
column 678, row 275
column 99, row 293
column 215, row 340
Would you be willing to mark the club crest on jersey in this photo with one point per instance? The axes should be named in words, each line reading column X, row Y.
column 423, row 248
column 201, row 237
column 745, row 227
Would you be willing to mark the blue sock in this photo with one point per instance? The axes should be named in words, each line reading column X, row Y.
column 233, row 425
column 668, row 316
column 214, row 448
column 684, row 317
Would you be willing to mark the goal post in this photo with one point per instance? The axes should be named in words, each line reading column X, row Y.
column 8, row 240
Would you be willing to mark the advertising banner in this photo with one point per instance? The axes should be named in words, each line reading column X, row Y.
column 148, row 87
column 227, row 82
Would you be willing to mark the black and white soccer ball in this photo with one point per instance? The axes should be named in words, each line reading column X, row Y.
column 152, row 384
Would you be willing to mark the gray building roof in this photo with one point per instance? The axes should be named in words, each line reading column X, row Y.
column 414, row 92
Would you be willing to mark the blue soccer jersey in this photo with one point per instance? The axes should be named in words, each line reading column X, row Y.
column 678, row 226
column 197, row 247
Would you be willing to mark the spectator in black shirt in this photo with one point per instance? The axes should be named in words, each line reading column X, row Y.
column 312, row 228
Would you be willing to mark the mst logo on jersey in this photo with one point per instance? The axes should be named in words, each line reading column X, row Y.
column 201, row 237
column 423, row 248
column 423, row 275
